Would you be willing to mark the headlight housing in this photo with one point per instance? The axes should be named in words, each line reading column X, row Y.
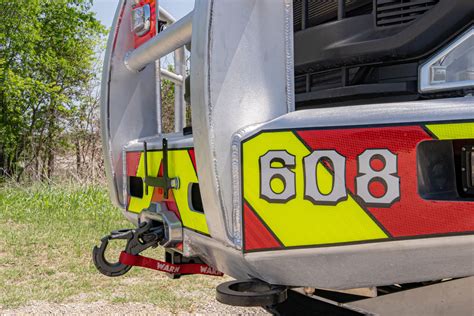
column 141, row 20
column 452, row 68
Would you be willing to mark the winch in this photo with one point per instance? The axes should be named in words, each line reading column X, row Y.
column 138, row 240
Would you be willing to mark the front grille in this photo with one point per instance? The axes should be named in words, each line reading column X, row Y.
column 325, row 80
column 298, row 13
column 340, row 49
column 320, row 12
column 309, row 13
column 396, row 12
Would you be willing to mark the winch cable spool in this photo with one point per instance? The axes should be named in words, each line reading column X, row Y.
column 138, row 240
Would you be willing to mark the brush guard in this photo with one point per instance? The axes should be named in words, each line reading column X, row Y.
column 144, row 237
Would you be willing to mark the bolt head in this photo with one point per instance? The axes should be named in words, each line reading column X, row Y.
column 309, row 290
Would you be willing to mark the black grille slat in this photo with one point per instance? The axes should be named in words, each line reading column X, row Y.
column 405, row 12
column 404, row 5
column 297, row 14
column 396, row 21
column 387, row 12
column 397, row 12
column 323, row 11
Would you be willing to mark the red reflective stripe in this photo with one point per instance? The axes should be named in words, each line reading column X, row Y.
column 411, row 215
column 257, row 235
column 149, row 263
column 133, row 160
column 192, row 155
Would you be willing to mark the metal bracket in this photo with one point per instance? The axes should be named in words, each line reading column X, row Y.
column 164, row 182
column 173, row 229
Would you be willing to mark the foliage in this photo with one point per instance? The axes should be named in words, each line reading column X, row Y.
column 167, row 102
column 48, row 53
column 47, row 233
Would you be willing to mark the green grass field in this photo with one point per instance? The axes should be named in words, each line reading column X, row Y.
column 46, row 237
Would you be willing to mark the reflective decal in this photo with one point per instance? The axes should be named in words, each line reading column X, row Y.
column 351, row 185
column 271, row 177
column 386, row 175
column 312, row 191
column 299, row 221
column 452, row 131
column 181, row 165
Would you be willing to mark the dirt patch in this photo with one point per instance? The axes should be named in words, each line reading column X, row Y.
column 104, row 308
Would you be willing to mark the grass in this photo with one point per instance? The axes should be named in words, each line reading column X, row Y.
column 46, row 238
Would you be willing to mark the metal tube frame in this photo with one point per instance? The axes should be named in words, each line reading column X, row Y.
column 173, row 37
column 171, row 76
column 172, row 40
column 179, row 102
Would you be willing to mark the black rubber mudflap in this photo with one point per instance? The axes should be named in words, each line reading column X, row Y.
column 250, row 293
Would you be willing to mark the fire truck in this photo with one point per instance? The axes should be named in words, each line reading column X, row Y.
column 328, row 165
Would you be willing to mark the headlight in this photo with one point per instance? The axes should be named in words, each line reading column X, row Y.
column 452, row 68
column 141, row 20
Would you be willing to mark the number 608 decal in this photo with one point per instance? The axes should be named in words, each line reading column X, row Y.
column 279, row 164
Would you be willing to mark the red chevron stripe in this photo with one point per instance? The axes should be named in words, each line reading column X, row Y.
column 411, row 216
column 133, row 159
column 256, row 234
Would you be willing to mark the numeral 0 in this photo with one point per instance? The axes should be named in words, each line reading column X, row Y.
column 277, row 166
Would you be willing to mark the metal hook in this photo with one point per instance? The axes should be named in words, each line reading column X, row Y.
column 139, row 239
column 109, row 269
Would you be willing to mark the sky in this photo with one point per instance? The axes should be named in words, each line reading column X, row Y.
column 105, row 9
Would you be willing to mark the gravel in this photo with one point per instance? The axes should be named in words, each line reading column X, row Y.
column 104, row 308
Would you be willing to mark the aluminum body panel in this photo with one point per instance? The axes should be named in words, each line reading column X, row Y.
column 241, row 74
column 455, row 297
column 343, row 267
column 366, row 264
column 374, row 114
column 128, row 101
column 226, row 259
column 367, row 115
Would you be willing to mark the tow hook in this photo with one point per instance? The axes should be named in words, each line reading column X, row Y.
column 139, row 239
